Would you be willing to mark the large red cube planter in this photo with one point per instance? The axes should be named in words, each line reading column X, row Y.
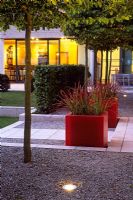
column 87, row 130
column 113, row 114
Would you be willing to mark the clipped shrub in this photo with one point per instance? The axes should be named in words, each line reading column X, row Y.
column 32, row 84
column 50, row 79
column 4, row 82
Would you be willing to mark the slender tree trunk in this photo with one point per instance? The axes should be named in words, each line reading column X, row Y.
column 106, row 75
column 110, row 65
column 101, row 72
column 95, row 67
column 27, row 127
column 86, row 68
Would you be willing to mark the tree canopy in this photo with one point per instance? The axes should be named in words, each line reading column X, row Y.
column 98, row 24
column 30, row 15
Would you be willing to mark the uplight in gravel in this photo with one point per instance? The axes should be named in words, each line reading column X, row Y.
column 69, row 187
column 125, row 95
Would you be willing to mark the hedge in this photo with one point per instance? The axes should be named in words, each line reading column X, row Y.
column 50, row 79
column 4, row 82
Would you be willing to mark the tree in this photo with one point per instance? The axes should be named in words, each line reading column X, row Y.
column 97, row 24
column 28, row 15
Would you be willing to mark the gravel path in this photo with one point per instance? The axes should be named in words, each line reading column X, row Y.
column 99, row 175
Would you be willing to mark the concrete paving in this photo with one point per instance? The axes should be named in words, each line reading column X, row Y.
column 51, row 134
column 119, row 139
column 16, row 87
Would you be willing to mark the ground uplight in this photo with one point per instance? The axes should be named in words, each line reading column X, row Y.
column 125, row 95
column 69, row 187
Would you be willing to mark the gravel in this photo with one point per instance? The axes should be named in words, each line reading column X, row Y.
column 98, row 175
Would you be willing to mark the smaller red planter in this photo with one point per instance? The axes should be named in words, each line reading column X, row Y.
column 113, row 113
column 87, row 130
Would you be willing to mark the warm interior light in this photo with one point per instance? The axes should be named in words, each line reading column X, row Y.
column 32, row 38
column 69, row 187
column 125, row 95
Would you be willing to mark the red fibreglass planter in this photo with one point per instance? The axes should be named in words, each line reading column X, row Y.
column 113, row 114
column 87, row 130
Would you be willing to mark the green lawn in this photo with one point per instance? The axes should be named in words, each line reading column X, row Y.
column 14, row 98
column 5, row 121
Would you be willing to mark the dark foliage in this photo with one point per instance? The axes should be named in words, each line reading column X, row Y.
column 49, row 80
column 4, row 82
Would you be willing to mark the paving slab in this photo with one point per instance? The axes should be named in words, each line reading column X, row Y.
column 120, row 139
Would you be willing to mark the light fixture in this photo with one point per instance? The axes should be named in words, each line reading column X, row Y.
column 32, row 38
column 125, row 95
column 69, row 187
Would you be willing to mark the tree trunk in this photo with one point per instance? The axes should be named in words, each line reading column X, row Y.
column 101, row 72
column 27, row 127
column 86, row 69
column 110, row 65
column 95, row 67
column 106, row 75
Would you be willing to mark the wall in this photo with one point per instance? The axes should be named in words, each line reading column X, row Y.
column 13, row 33
column 81, row 54
column 81, row 59
column 1, row 56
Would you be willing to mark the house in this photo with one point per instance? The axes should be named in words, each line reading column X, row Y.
column 51, row 47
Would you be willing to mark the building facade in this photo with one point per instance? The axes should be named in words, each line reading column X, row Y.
column 51, row 47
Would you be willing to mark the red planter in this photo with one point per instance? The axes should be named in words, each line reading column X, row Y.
column 113, row 114
column 87, row 130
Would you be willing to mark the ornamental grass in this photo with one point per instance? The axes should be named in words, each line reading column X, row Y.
column 82, row 102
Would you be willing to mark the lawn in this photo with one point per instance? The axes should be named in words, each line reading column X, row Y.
column 14, row 98
column 5, row 121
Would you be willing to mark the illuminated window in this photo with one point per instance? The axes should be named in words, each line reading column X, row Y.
column 9, row 53
column 53, row 52
column 39, row 52
column 43, row 52
column 115, row 65
column 21, row 52
column 68, row 51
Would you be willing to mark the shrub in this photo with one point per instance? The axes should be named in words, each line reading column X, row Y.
column 49, row 80
column 4, row 82
column 109, row 90
column 32, row 84
column 81, row 103
column 75, row 100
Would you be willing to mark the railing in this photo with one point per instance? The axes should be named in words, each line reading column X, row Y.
column 123, row 79
column 16, row 73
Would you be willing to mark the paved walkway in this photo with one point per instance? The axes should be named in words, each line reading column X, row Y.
column 120, row 139
column 16, row 87
column 52, row 134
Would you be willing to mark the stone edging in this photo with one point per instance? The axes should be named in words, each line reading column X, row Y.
column 43, row 117
column 11, row 111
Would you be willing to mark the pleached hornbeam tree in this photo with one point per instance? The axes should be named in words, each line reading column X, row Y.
column 30, row 15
